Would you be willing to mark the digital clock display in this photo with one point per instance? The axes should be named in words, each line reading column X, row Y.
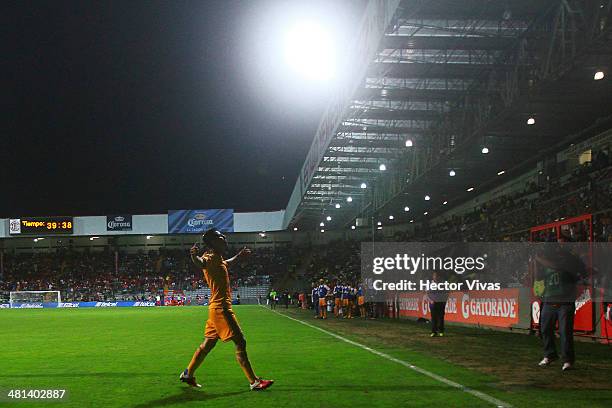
column 41, row 225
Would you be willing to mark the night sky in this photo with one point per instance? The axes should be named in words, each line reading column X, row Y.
column 145, row 106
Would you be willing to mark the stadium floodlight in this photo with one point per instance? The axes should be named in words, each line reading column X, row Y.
column 470, row 189
column 411, row 221
column 353, row 227
column 262, row 234
column 499, row 173
column 295, row 228
column 379, row 228
column 93, row 238
column 379, row 223
column 426, row 212
column 150, row 236
column 328, row 218
column 485, row 150
column 382, row 167
column 599, row 75
column 409, row 143
column 445, row 202
column 406, row 209
column 391, row 217
column 34, row 296
column 452, row 173
column 531, row 120
column 309, row 50
column 337, row 205
column 322, row 224
column 349, row 199
column 427, row 198
column 363, row 185
column 322, row 231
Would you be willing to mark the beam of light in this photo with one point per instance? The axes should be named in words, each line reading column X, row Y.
column 310, row 52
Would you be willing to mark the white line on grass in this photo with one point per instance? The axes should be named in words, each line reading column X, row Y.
column 444, row 380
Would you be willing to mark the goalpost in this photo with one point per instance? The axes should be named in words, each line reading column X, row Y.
column 35, row 296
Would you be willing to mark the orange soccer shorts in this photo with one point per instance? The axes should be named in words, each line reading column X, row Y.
column 337, row 302
column 360, row 300
column 344, row 302
column 322, row 302
column 222, row 324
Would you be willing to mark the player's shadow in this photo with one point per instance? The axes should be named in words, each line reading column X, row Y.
column 187, row 395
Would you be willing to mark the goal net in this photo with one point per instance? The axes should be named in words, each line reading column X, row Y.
column 35, row 296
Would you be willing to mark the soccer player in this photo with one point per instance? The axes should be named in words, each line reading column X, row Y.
column 221, row 323
column 337, row 294
column 322, row 291
column 361, row 302
column 346, row 289
column 315, row 300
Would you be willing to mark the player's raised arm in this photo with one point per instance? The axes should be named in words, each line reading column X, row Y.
column 197, row 260
column 242, row 253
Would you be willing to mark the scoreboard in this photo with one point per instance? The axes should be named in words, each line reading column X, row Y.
column 41, row 225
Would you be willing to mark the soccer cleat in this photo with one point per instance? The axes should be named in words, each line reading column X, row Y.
column 433, row 334
column 261, row 384
column 189, row 380
column 567, row 366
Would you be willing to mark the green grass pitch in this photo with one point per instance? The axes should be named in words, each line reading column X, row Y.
column 131, row 357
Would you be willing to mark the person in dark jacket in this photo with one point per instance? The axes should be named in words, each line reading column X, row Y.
column 437, row 305
column 560, row 270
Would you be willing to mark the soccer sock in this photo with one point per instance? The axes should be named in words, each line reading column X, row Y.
column 245, row 364
column 198, row 358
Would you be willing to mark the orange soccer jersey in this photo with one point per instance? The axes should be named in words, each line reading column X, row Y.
column 221, row 323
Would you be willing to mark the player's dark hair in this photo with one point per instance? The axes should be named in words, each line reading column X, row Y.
column 209, row 236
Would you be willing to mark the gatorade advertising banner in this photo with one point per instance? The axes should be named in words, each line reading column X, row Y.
column 487, row 308
column 199, row 221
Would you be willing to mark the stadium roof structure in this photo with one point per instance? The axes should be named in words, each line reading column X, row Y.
column 439, row 81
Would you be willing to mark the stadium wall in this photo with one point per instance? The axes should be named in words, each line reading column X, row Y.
column 157, row 224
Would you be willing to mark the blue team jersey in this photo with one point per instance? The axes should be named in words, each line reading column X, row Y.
column 315, row 293
column 345, row 292
column 322, row 290
column 337, row 291
column 360, row 291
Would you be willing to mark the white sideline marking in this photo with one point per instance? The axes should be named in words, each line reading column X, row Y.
column 444, row 380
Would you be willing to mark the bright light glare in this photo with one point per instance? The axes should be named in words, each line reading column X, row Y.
column 598, row 75
column 349, row 199
column 531, row 121
column 310, row 52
